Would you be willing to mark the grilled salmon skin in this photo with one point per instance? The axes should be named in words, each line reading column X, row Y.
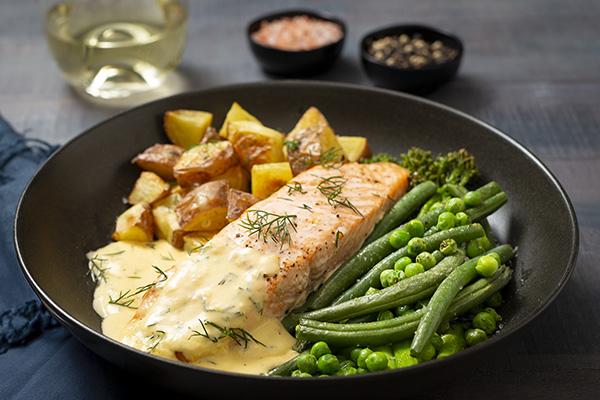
column 266, row 263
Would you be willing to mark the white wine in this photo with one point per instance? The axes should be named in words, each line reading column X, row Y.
column 110, row 56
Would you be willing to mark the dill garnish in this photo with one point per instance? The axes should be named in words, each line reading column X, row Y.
column 127, row 298
column 239, row 335
column 158, row 337
column 95, row 268
column 167, row 258
column 306, row 207
column 268, row 225
column 330, row 158
column 331, row 188
column 296, row 188
column 291, row 145
column 338, row 236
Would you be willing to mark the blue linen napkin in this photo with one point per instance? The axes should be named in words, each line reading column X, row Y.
column 39, row 359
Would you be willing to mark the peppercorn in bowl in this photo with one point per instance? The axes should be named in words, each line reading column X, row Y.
column 411, row 58
column 296, row 43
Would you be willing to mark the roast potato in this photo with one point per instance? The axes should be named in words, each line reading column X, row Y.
column 236, row 113
column 267, row 178
column 200, row 163
column 186, row 127
column 160, row 159
column 238, row 202
column 166, row 226
column 355, row 147
column 193, row 241
column 204, row 208
column 312, row 146
column 237, row 176
column 148, row 188
column 136, row 224
column 255, row 143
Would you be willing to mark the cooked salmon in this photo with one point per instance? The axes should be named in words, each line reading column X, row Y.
column 283, row 248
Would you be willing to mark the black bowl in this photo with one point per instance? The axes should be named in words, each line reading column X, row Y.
column 70, row 205
column 296, row 63
column 411, row 80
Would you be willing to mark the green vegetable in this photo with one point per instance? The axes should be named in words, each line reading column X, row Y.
column 455, row 205
column 402, row 354
column 388, row 277
column 472, row 199
column 446, row 220
column 485, row 321
column 448, row 246
column 380, row 157
column 376, row 361
column 495, row 300
column 403, row 208
column 413, row 269
column 487, row 266
column 426, row 259
column 319, row 349
column 328, row 364
column 475, row 336
column 399, row 238
column 415, row 228
column 299, row 374
column 445, row 294
column 307, row 363
column 385, row 314
column 361, row 360
column 402, row 263
column 456, row 167
column 462, row 218
column 415, row 246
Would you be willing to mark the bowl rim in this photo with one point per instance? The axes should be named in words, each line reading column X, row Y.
column 517, row 328
column 387, row 30
column 254, row 25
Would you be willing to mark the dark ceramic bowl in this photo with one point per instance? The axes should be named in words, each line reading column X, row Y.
column 296, row 63
column 411, row 80
column 70, row 206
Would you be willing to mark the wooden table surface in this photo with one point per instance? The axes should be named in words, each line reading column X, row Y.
column 531, row 68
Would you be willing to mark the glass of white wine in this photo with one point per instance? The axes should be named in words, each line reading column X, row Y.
column 115, row 48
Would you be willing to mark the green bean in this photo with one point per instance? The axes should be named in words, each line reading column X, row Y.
column 395, row 331
column 403, row 208
column 371, row 278
column 405, row 291
column 445, row 294
column 287, row 367
column 487, row 207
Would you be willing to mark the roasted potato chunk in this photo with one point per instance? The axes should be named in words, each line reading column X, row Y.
column 204, row 208
column 186, row 127
column 202, row 162
column 160, row 159
column 211, row 135
column 238, row 202
column 255, row 143
column 311, row 117
column 236, row 113
column 166, row 226
column 171, row 199
column 148, row 188
column 237, row 176
column 135, row 224
column 312, row 146
column 267, row 178
column 193, row 241
column 355, row 147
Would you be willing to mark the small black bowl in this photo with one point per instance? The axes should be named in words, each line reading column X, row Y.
column 412, row 80
column 296, row 63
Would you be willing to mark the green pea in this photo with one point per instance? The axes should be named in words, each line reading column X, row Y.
column 361, row 370
column 416, row 246
column 475, row 336
column 328, row 364
column 376, row 361
column 415, row 228
column 399, row 238
column 455, row 205
column 319, row 349
column 401, row 275
column 485, row 322
column 299, row 374
column 495, row 255
column 426, row 259
column 384, row 315
column 347, row 371
column 486, row 266
column 462, row 219
column 443, row 328
column 371, row 290
column 428, row 352
column 362, row 357
column 476, row 309
column 347, row 364
column 472, row 199
column 475, row 248
column 450, row 345
column 403, row 309
column 448, row 246
column 402, row 262
column 354, row 354
column 388, row 277
column 493, row 313
column 307, row 363
column 413, row 269
column 495, row 300
column 446, row 220
column 436, row 341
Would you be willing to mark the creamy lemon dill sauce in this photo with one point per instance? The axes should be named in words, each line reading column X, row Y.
column 209, row 312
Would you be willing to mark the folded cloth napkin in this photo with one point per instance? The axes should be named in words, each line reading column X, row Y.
column 38, row 358
column 22, row 316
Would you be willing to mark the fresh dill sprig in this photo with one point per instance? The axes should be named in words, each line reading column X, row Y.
column 238, row 335
column 268, row 225
column 96, row 270
column 297, row 187
column 167, row 258
column 158, row 336
column 330, row 158
column 306, row 207
column 291, row 145
column 338, row 236
column 127, row 298
column 331, row 188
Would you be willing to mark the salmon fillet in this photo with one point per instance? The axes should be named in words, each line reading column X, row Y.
column 325, row 214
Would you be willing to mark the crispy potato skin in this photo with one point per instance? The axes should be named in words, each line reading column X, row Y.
column 238, row 201
column 160, row 159
column 136, row 224
column 201, row 163
column 311, row 146
column 255, row 144
column 204, row 208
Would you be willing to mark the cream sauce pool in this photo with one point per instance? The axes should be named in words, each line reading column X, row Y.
column 209, row 311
